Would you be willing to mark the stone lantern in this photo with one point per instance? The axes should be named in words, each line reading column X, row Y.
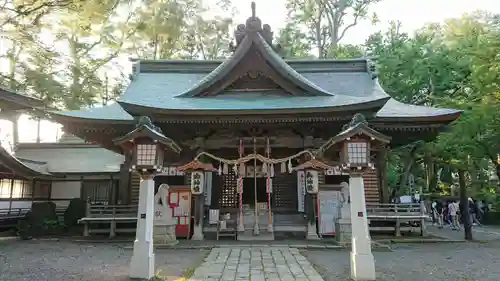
column 356, row 142
column 311, row 170
column 148, row 145
column 198, row 183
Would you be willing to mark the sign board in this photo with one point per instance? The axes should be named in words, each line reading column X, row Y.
column 329, row 211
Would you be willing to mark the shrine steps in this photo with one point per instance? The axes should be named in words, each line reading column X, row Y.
column 248, row 235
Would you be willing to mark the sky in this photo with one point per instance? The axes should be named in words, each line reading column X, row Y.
column 413, row 14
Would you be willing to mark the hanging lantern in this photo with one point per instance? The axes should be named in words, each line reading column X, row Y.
column 311, row 170
column 198, row 171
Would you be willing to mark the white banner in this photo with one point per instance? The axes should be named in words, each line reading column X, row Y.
column 300, row 190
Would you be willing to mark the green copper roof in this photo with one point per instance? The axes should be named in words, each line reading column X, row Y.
column 396, row 109
column 111, row 112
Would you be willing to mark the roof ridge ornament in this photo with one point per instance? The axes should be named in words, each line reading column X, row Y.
column 253, row 25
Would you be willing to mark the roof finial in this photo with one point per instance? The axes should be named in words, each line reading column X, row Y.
column 253, row 9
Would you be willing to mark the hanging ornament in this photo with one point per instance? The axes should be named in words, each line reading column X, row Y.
column 290, row 168
column 235, row 169
column 264, row 168
column 272, row 170
column 225, row 169
column 220, row 169
column 283, row 167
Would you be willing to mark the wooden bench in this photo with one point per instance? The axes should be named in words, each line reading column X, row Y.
column 108, row 214
column 398, row 213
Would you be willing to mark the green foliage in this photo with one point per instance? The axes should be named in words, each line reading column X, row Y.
column 41, row 220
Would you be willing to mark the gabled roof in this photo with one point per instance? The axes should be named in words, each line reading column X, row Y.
column 255, row 39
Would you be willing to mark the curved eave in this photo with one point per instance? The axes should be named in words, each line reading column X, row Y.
column 18, row 168
column 372, row 104
column 66, row 117
column 21, row 101
column 269, row 55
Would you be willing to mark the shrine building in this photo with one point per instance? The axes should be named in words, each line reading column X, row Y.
column 253, row 102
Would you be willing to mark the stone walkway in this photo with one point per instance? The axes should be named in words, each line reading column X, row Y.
column 255, row 264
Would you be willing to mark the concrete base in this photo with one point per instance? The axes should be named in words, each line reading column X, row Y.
column 362, row 267
column 142, row 265
column 311, row 232
column 344, row 231
column 197, row 233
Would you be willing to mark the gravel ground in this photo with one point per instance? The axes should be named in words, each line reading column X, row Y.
column 66, row 261
column 422, row 262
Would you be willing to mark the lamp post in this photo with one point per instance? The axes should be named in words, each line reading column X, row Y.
column 198, row 183
column 356, row 142
column 148, row 145
column 311, row 169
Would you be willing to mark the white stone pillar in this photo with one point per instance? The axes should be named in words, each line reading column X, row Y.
column 362, row 261
column 143, row 259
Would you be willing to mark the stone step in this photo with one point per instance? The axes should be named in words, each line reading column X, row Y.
column 248, row 235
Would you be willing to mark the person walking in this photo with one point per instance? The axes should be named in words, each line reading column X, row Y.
column 473, row 212
column 453, row 210
column 437, row 213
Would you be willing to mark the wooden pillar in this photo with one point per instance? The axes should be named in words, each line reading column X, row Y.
column 382, row 175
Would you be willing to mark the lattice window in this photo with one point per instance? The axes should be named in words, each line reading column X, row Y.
column 146, row 154
column 285, row 192
column 228, row 194
column 357, row 152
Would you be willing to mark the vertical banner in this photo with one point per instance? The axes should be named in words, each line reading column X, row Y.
column 208, row 188
column 301, row 190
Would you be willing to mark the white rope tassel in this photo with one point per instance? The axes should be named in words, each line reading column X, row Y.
column 272, row 170
column 264, row 168
column 220, row 169
column 290, row 168
column 235, row 169
column 283, row 167
column 225, row 169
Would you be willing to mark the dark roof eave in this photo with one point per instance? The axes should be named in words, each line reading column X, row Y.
column 444, row 118
column 137, row 109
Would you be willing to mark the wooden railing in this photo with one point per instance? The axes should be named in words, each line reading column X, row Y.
column 111, row 214
column 12, row 213
column 399, row 213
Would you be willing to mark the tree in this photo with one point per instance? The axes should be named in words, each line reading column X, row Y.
column 326, row 22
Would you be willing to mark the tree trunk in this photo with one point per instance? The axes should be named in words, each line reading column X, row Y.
column 464, row 203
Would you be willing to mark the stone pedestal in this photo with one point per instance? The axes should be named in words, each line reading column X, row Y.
column 311, row 231
column 143, row 259
column 165, row 235
column 362, row 261
column 198, row 231
column 344, row 231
